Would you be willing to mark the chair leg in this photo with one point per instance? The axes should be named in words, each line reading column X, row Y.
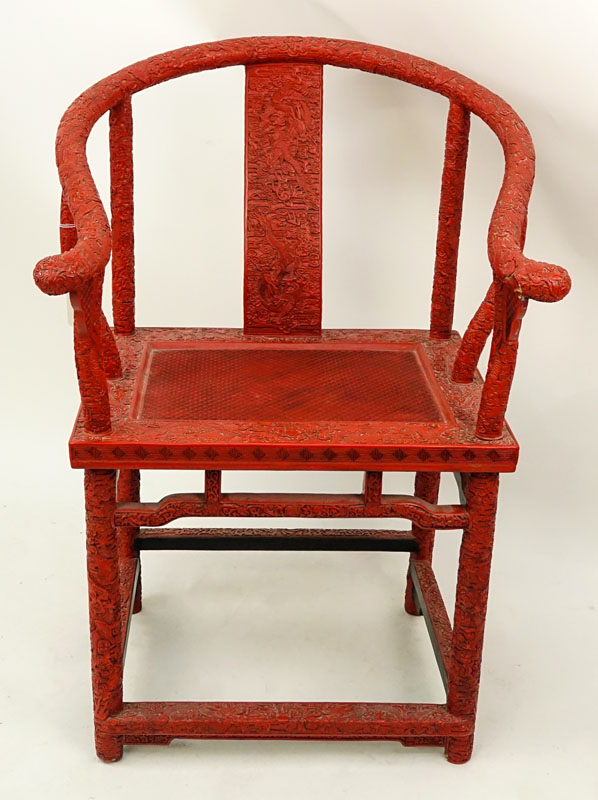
column 127, row 491
column 458, row 749
column 104, row 607
column 426, row 487
column 470, row 607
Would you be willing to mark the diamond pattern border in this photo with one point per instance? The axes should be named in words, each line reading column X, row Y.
column 275, row 454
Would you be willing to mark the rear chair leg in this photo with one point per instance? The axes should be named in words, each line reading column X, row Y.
column 426, row 487
column 104, row 607
column 458, row 749
column 471, row 601
column 127, row 491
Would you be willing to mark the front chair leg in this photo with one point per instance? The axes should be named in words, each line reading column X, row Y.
column 470, row 607
column 104, row 607
column 427, row 485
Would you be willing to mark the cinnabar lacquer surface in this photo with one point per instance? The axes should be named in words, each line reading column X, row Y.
column 283, row 394
column 414, row 418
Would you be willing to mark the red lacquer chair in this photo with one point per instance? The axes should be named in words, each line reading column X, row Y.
column 284, row 394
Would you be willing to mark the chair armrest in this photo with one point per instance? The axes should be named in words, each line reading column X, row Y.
column 67, row 272
column 539, row 280
column 535, row 280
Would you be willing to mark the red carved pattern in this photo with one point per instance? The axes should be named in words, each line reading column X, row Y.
column 275, row 533
column 57, row 274
column 147, row 738
column 509, row 311
column 121, row 206
column 314, row 456
column 213, row 487
column 406, row 741
column 176, row 506
column 87, row 259
column 474, row 340
column 318, row 445
column 110, row 355
column 286, row 720
column 436, row 608
column 427, row 485
column 283, row 250
column 96, row 353
column 280, row 295
column 503, row 311
column 423, row 741
column 68, row 231
column 471, row 603
column 93, row 386
column 458, row 749
column 128, row 491
column 449, row 221
column 128, row 573
column 372, row 488
column 282, row 458
column 104, row 604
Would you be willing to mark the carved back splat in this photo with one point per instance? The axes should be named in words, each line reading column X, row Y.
column 283, row 199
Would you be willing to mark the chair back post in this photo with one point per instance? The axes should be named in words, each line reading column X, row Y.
column 449, row 221
column 121, row 207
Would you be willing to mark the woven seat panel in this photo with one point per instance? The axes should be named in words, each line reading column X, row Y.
column 285, row 385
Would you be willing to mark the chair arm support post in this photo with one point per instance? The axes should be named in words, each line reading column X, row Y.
column 449, row 221
column 474, row 340
column 96, row 353
column 509, row 311
column 93, row 385
column 504, row 316
column 121, row 205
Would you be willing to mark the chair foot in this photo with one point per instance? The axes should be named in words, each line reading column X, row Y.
column 411, row 606
column 109, row 748
column 458, row 749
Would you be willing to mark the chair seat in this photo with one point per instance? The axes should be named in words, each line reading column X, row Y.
column 348, row 399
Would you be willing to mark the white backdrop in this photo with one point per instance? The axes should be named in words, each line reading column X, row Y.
column 308, row 626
